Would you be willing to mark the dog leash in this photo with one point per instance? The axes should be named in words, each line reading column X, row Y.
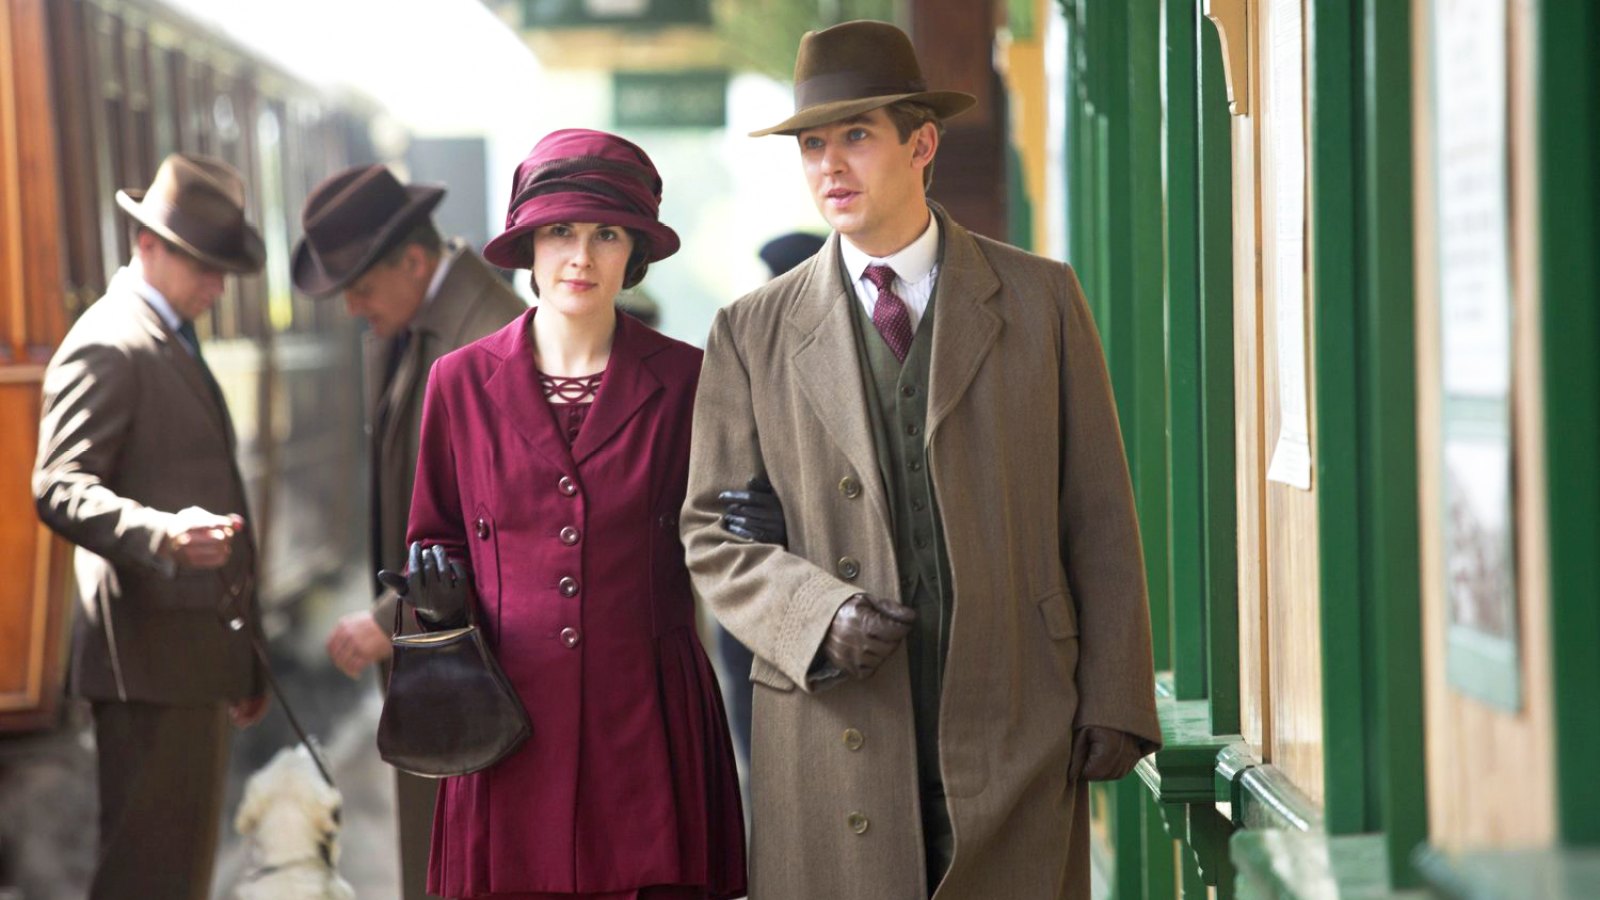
column 283, row 700
column 232, row 594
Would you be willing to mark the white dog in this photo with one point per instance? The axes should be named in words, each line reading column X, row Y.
column 291, row 817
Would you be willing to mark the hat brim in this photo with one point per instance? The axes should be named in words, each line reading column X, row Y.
column 510, row 250
column 252, row 251
column 310, row 276
column 946, row 103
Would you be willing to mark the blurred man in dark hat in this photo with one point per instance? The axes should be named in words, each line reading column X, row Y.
column 933, row 410
column 136, row 467
column 372, row 239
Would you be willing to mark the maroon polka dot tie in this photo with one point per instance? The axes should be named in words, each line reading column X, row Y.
column 890, row 314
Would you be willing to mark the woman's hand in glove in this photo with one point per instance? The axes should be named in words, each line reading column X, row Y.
column 438, row 587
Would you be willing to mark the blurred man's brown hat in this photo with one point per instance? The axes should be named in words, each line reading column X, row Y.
column 197, row 203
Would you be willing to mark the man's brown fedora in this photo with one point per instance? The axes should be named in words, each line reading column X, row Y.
column 351, row 219
column 197, row 203
column 854, row 68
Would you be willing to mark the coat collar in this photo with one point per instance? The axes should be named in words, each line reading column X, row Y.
column 964, row 327
column 628, row 384
column 825, row 359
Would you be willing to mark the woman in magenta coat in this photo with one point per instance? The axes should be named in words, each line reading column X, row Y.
column 553, row 463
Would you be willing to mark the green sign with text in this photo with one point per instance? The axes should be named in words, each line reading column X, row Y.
column 696, row 99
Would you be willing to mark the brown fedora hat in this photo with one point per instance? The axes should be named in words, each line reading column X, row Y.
column 197, row 203
column 854, row 68
column 351, row 219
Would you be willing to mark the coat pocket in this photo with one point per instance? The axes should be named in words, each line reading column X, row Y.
column 1060, row 617
column 768, row 675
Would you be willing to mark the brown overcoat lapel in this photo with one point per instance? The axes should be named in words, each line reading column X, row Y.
column 181, row 360
column 829, row 371
column 964, row 328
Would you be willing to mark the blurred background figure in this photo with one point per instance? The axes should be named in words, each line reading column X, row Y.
column 372, row 240
column 638, row 303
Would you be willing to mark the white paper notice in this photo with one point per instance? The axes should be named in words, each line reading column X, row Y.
column 1475, row 312
column 1291, row 457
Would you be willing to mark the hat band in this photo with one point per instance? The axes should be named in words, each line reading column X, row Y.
column 835, row 86
column 575, row 186
column 208, row 237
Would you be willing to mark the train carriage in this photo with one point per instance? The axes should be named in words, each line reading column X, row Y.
column 93, row 94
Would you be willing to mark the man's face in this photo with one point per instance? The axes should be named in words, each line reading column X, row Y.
column 191, row 286
column 866, row 182
column 389, row 294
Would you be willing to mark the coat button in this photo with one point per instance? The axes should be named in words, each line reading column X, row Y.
column 569, row 535
column 853, row 739
column 567, row 486
column 569, row 637
column 483, row 529
column 848, row 568
column 569, row 586
column 849, row 487
column 857, row 822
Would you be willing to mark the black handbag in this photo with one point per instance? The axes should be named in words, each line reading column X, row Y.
column 449, row 709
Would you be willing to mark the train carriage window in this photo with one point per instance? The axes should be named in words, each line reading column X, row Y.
column 275, row 216
column 163, row 105
column 70, row 44
column 114, row 138
column 141, row 150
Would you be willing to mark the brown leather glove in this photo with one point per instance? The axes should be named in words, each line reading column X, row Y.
column 864, row 631
column 1102, row 754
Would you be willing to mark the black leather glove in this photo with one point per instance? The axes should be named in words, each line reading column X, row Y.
column 864, row 632
column 1102, row 754
column 434, row 584
column 755, row 514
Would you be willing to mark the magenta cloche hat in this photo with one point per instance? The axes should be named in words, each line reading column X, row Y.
column 578, row 175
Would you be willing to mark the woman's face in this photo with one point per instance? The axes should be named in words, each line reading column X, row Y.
column 578, row 267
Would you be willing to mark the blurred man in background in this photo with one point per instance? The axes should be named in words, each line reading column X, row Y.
column 372, row 239
column 136, row 467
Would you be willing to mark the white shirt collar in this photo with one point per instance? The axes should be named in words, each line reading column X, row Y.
column 452, row 251
column 131, row 277
column 910, row 263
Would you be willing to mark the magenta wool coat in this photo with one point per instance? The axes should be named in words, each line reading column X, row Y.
column 628, row 780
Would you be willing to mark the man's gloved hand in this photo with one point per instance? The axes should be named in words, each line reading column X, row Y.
column 755, row 514
column 1102, row 754
column 864, row 632
column 434, row 584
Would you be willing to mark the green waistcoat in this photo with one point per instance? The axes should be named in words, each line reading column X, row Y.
column 897, row 405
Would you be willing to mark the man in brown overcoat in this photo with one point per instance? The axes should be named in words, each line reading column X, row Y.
column 372, row 239
column 957, row 637
column 136, row 467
